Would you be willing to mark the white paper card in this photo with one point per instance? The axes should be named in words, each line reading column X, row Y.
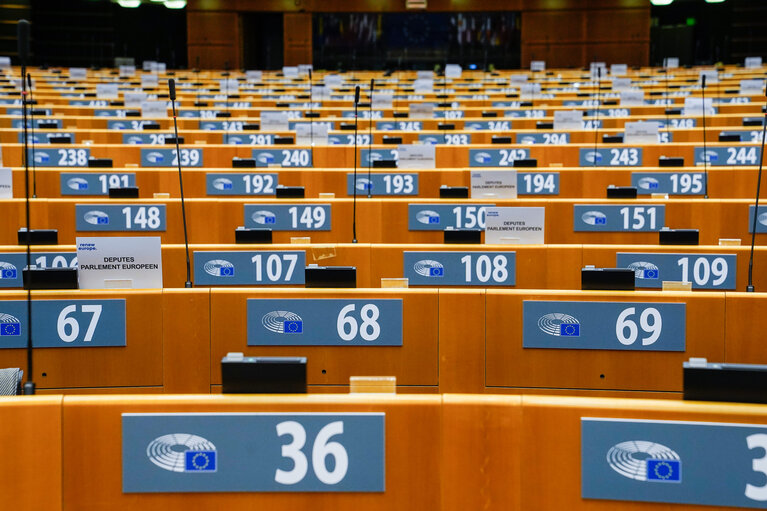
column 290, row 71
column 494, row 184
column 671, row 62
column 619, row 69
column 751, row 87
column 568, row 119
column 107, row 90
column 148, row 65
column 134, row 99
column 640, row 132
column 126, row 71
column 149, row 81
column 621, row 84
column 303, row 69
column 384, row 100
column 254, row 76
column 426, row 75
column 752, row 62
column 333, row 81
column 274, row 121
column 311, row 133
column 6, row 184
column 154, row 109
column 529, row 90
column 320, row 93
column 416, row 156
column 229, row 85
column 453, row 71
column 538, row 65
column 5, row 62
column 421, row 110
column 694, row 106
column 518, row 226
column 712, row 76
column 137, row 259
column 516, row 79
column 77, row 73
column 632, row 98
column 424, row 85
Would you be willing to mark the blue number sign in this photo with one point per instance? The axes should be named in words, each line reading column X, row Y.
column 704, row 271
column 262, row 267
column 460, row 268
column 618, row 217
column 288, row 217
column 91, row 183
column 119, row 217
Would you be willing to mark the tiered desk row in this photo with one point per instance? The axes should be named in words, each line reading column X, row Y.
column 477, row 318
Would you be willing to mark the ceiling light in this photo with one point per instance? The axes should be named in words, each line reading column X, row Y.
column 714, row 1
column 175, row 4
column 129, row 3
column 661, row 2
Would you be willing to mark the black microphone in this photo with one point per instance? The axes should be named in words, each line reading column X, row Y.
column 32, row 128
column 705, row 148
column 596, row 118
column 172, row 95
column 750, row 287
column 23, row 41
column 370, row 137
column 311, row 110
column 354, row 181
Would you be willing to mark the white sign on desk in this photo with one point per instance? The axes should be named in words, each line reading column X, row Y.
column 621, row 84
column 320, row 93
column 423, row 85
column 694, row 106
column 127, row 71
column 640, row 132
column 421, row 110
column 416, row 156
column 149, row 81
column 425, row 75
column 229, row 86
column 274, row 121
column 568, row 119
column 384, row 100
column 77, row 73
column 107, row 90
column 752, row 62
column 303, row 69
column 712, row 76
column 517, row 79
column 632, row 98
column 154, row 109
column 6, row 184
column 529, row 90
column 311, row 133
column 619, row 69
column 494, row 184
column 671, row 62
column 290, row 71
column 5, row 62
column 751, row 87
column 518, row 226
column 453, row 71
column 333, row 81
column 119, row 262
column 134, row 99
column 538, row 65
column 254, row 76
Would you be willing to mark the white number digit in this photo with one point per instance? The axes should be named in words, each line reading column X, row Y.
column 96, row 311
column 64, row 321
column 622, row 324
column 370, row 330
column 757, row 441
column 322, row 449
column 344, row 320
column 292, row 451
column 719, row 270
column 654, row 328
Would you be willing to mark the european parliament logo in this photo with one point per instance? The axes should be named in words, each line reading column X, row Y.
column 527, row 139
column 431, row 140
column 77, row 183
column 219, row 268
column 265, row 158
column 42, row 158
column 762, row 219
column 283, row 322
column 119, row 125
column 645, row 461
column 134, row 139
column 222, row 183
column 364, row 184
column 594, row 218
column 475, row 126
column 155, row 157
column 483, row 157
column 427, row 217
column 593, row 157
column 559, row 324
column 644, row 270
column 8, row 271
column 648, row 183
column 9, row 325
column 708, row 156
column 183, row 452
column 96, row 217
column 209, row 126
column 264, row 217
column 374, row 157
column 429, row 268
column 235, row 140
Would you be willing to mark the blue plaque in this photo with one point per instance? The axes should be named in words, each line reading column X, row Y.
column 43, row 137
column 611, row 157
column 283, row 157
column 253, row 452
column 538, row 183
column 63, row 323
column 258, row 268
column 330, row 124
column 618, row 217
column 93, row 183
column 210, row 125
column 146, row 138
column 120, row 217
column 496, row 157
column 367, row 156
column 488, row 125
column 672, row 183
column 662, row 461
column 761, row 219
column 61, row 157
column 161, row 157
column 445, row 138
column 363, row 139
column 241, row 184
column 383, row 184
column 448, row 114
column 552, row 138
column 288, row 217
column 633, row 326
column 19, row 123
column 363, row 114
column 248, row 139
column 438, row 217
column 11, row 264
column 399, row 125
column 738, row 155
column 526, row 113
column 324, row 322
column 704, row 271
column 482, row 269
column 125, row 124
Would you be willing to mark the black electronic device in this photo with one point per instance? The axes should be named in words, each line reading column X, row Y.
column 284, row 141
column 222, row 115
column 500, row 139
column 252, row 235
column 385, row 164
column 400, row 115
column 347, row 126
column 264, row 375
column 150, row 126
column 729, row 137
column 738, row 383
column 330, row 276
column 389, row 140
column 621, row 192
column 752, row 121
column 678, row 236
column 607, row 279
column 525, row 162
column 174, row 140
column 100, row 162
column 172, row 95
column 253, row 126
column 124, row 192
column 38, row 236
column 671, row 161
column 673, row 111
column 243, row 163
column 453, row 192
column 60, row 139
column 544, row 125
column 50, row 278
column 289, row 192
column 446, row 126
column 489, row 114
column 612, row 139
column 462, row 236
